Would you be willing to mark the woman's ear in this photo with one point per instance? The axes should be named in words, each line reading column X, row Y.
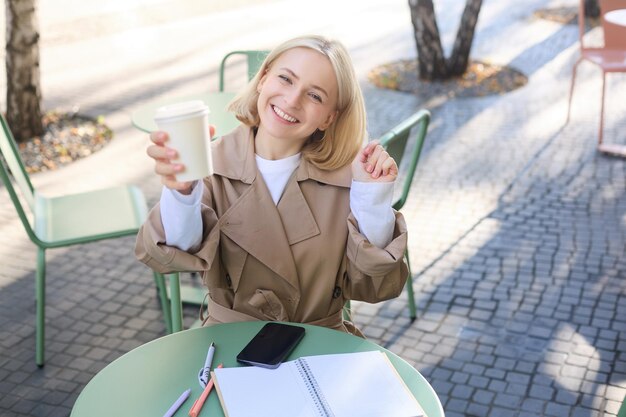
column 329, row 120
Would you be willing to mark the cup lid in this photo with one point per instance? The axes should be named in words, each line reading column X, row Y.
column 181, row 110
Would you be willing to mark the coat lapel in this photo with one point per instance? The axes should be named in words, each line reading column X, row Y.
column 296, row 215
column 253, row 222
column 295, row 212
column 255, row 225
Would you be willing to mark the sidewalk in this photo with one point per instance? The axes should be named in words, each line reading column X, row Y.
column 517, row 225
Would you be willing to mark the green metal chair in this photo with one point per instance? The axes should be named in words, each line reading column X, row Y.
column 395, row 142
column 74, row 219
column 254, row 59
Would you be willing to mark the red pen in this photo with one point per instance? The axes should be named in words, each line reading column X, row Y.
column 197, row 405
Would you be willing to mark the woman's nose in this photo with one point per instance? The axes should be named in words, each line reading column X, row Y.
column 293, row 98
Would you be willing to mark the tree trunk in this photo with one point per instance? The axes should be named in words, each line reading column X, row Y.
column 22, row 65
column 592, row 8
column 431, row 62
column 459, row 59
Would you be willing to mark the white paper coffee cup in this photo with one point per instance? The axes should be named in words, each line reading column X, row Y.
column 187, row 125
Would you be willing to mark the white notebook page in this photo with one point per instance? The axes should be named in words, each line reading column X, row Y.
column 362, row 384
column 370, row 386
column 260, row 392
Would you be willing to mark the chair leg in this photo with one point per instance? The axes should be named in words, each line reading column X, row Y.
column 571, row 91
column 159, row 280
column 602, row 109
column 40, row 297
column 409, row 288
column 176, row 303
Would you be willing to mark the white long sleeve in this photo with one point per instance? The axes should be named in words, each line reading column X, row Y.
column 181, row 217
column 370, row 203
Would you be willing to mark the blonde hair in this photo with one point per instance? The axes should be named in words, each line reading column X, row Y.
column 338, row 145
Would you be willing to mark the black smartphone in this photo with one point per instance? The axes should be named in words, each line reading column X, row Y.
column 271, row 345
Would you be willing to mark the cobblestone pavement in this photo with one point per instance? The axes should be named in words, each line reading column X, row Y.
column 517, row 225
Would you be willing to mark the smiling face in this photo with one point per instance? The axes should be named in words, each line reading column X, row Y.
column 297, row 96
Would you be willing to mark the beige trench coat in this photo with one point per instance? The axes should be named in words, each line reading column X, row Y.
column 297, row 261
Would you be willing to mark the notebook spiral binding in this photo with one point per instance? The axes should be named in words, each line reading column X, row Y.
column 321, row 405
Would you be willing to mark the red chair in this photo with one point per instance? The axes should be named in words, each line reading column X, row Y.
column 610, row 58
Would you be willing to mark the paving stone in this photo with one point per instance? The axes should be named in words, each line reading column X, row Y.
column 533, row 405
column 497, row 386
column 500, row 412
column 616, row 393
column 455, row 405
column 517, row 378
column 462, row 391
column 526, row 414
column 566, row 397
column 598, row 377
column 583, row 412
column 495, row 373
column 612, row 407
column 478, row 382
column 516, row 389
column 557, row 410
column 508, row 400
column 505, row 364
column 541, row 392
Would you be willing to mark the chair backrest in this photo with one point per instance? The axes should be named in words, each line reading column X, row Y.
column 254, row 60
column 395, row 142
column 614, row 35
column 11, row 166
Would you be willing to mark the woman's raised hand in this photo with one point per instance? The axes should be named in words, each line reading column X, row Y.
column 164, row 166
column 374, row 164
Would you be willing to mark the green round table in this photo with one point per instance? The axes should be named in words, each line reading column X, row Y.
column 147, row 380
column 222, row 119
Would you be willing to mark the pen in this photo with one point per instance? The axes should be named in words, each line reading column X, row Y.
column 197, row 406
column 204, row 372
column 177, row 404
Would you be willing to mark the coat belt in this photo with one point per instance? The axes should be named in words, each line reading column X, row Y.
column 220, row 314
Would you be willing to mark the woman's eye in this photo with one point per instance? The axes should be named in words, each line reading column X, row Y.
column 285, row 78
column 316, row 97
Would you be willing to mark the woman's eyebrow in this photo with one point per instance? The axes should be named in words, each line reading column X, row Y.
column 293, row 74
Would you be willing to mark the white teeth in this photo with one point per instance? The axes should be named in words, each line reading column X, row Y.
column 284, row 115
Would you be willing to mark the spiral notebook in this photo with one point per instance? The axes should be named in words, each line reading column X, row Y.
column 362, row 384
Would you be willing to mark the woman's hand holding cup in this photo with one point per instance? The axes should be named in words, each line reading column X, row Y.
column 165, row 166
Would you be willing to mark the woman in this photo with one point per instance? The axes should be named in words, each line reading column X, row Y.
column 296, row 218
